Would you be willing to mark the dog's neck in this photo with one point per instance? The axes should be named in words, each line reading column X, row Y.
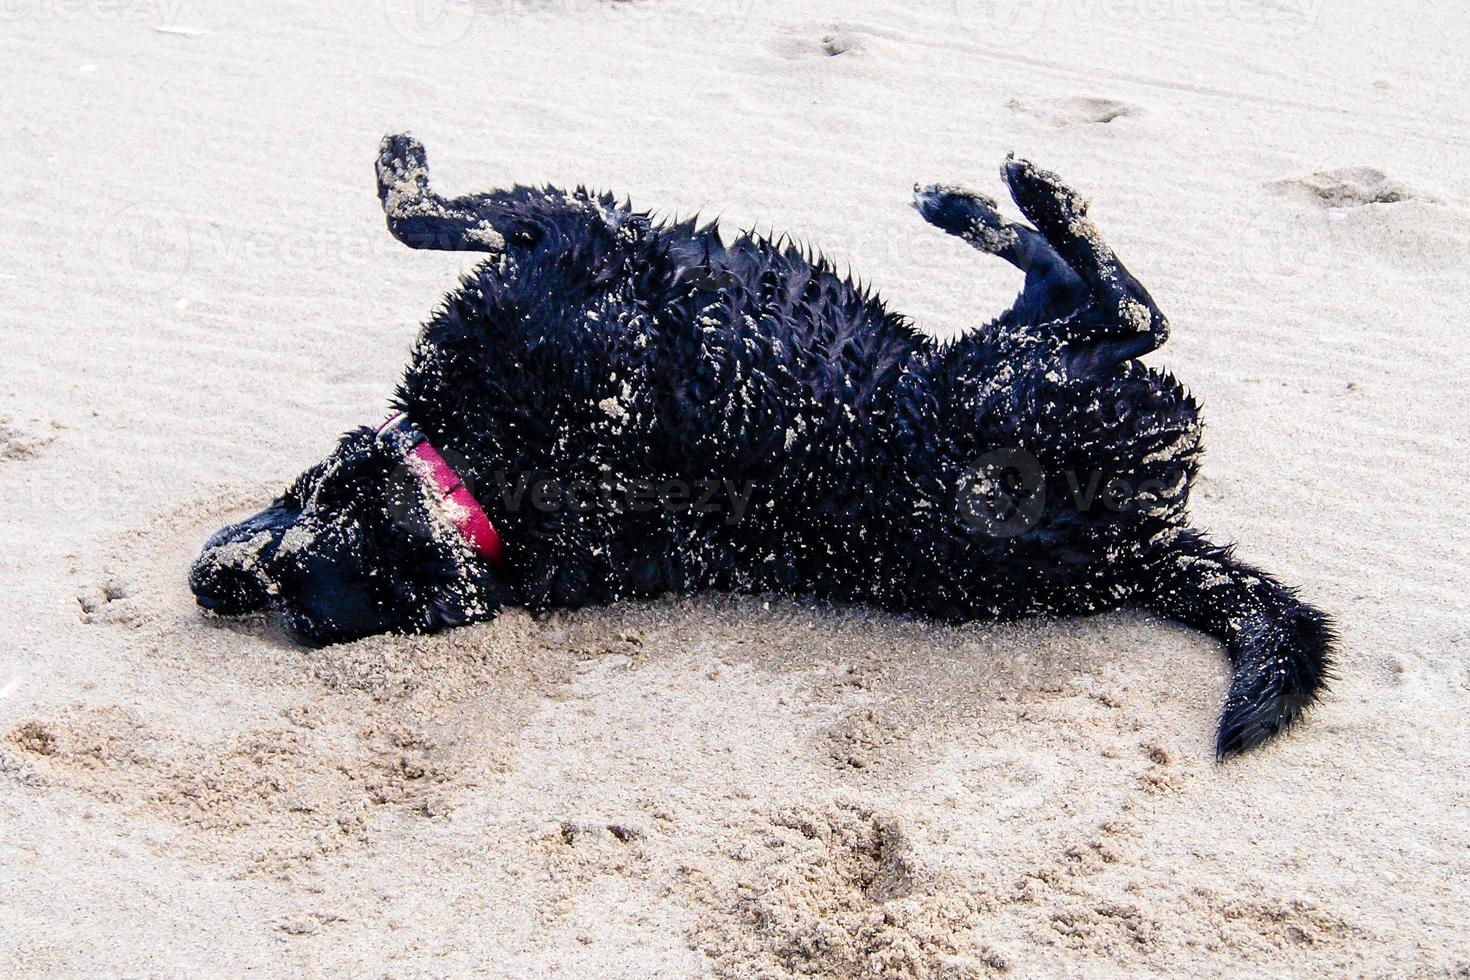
column 448, row 494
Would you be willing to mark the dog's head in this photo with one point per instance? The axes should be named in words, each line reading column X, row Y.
column 356, row 546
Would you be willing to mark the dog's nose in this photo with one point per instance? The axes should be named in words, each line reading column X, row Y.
column 226, row 588
column 227, row 578
column 230, row 575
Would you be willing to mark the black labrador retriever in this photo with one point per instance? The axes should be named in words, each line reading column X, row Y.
column 611, row 407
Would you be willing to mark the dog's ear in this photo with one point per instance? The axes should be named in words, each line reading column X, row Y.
column 446, row 611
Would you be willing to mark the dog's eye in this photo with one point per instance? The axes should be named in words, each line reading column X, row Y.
column 303, row 487
column 338, row 487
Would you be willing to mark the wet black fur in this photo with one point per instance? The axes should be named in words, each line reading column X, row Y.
column 597, row 347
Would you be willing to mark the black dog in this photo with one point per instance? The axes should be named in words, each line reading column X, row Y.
column 609, row 407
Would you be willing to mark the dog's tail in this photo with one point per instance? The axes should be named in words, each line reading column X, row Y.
column 1280, row 647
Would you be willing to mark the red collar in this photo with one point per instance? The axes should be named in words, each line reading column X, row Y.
column 439, row 478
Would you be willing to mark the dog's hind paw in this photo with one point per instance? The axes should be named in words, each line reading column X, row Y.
column 1054, row 208
column 965, row 214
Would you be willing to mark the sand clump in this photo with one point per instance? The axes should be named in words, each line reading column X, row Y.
column 25, row 440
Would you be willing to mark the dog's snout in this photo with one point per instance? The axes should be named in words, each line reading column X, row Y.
column 229, row 577
column 229, row 591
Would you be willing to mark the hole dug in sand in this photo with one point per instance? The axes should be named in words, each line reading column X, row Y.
column 834, row 892
column 813, row 42
column 371, row 734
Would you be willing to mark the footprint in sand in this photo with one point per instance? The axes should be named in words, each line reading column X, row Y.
column 1353, row 214
column 1074, row 111
column 1347, row 187
column 1318, row 218
column 1277, row 244
column 107, row 604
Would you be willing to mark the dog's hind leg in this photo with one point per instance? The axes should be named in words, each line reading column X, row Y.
column 1052, row 289
column 418, row 217
column 1280, row 648
column 1121, row 320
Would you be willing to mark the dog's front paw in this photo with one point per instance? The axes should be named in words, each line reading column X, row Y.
column 403, row 174
column 966, row 214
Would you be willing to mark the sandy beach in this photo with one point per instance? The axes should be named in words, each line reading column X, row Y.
column 197, row 294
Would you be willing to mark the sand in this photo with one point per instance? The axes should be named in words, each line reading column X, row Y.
column 197, row 293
